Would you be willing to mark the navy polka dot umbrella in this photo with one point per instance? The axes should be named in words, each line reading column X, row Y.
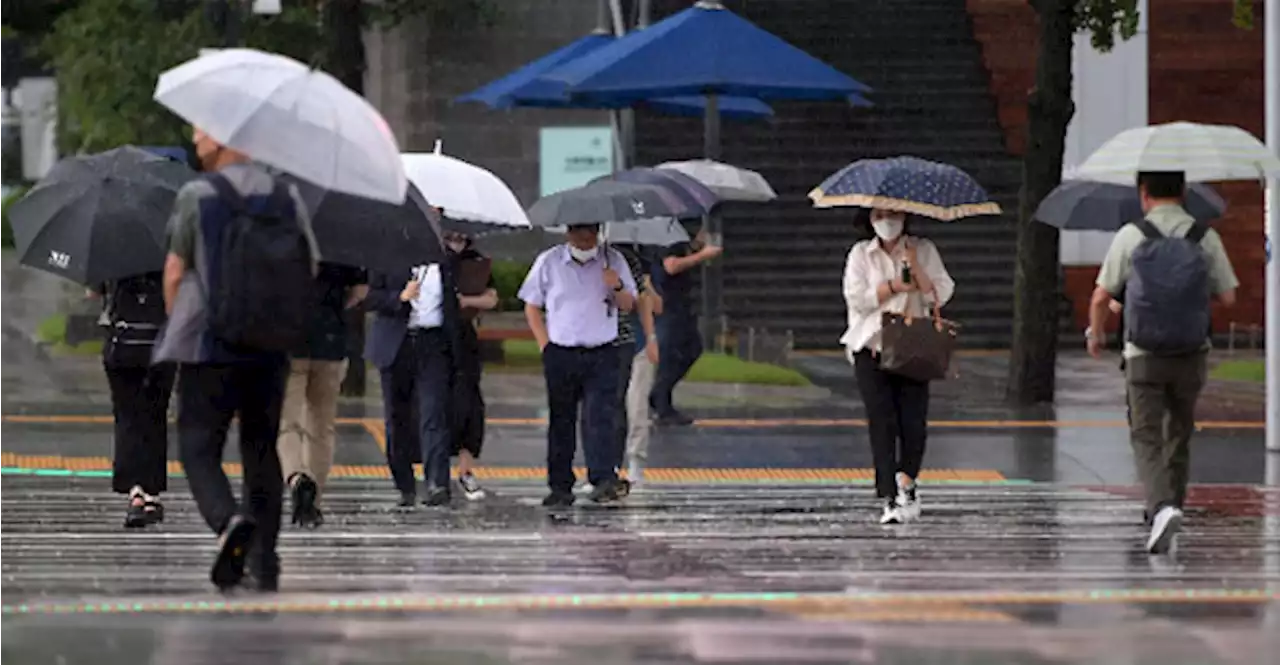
column 909, row 184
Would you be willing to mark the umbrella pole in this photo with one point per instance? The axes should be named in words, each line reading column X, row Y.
column 711, row 277
column 1271, row 14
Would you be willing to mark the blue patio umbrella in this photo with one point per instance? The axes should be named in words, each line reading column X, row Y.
column 527, row 87
column 694, row 194
column 705, row 49
column 908, row 184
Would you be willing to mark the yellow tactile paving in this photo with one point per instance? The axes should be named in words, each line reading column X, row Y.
column 659, row 475
column 373, row 424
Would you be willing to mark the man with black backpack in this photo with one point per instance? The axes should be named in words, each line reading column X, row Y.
column 1166, row 268
column 238, row 284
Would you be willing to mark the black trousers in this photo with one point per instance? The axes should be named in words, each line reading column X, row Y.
column 897, row 414
column 140, row 407
column 415, row 399
column 618, row 441
column 209, row 397
column 587, row 377
column 679, row 347
column 466, row 409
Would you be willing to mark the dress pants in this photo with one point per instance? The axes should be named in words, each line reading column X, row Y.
column 140, row 406
column 679, row 347
column 897, row 417
column 586, row 376
column 307, row 418
column 209, row 397
column 415, row 398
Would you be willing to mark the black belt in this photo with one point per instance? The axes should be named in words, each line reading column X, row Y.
column 585, row 349
column 422, row 332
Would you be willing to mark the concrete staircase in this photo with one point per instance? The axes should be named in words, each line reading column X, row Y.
column 783, row 261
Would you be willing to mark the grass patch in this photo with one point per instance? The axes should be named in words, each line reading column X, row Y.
column 1253, row 371
column 53, row 331
column 523, row 354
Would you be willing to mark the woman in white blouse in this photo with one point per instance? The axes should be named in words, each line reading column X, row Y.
column 892, row 272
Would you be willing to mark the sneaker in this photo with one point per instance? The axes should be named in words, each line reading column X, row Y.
column 437, row 496
column 471, row 487
column 305, row 491
column 892, row 513
column 407, row 501
column 558, row 499
column 233, row 547
column 908, row 502
column 674, row 419
column 610, row 491
column 584, row 488
column 1164, row 530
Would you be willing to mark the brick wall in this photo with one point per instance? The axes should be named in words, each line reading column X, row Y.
column 1204, row 69
column 1008, row 33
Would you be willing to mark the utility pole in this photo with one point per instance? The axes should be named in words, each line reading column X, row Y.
column 1271, row 33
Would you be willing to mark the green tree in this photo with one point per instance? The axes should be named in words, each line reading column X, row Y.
column 1032, row 372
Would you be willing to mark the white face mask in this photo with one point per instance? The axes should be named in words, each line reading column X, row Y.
column 583, row 255
column 888, row 229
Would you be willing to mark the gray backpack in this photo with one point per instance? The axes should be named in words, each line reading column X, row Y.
column 1166, row 301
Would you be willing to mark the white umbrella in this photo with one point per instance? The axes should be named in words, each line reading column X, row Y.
column 465, row 191
column 282, row 113
column 1206, row 153
column 728, row 182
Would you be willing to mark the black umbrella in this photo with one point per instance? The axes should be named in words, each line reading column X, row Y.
column 100, row 217
column 1083, row 205
column 355, row 231
column 608, row 201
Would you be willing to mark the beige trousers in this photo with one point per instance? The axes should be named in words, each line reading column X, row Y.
column 638, row 425
column 306, row 419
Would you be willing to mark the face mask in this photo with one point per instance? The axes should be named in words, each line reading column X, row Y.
column 888, row 230
column 583, row 255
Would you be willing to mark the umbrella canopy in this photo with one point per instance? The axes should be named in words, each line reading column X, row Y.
column 527, row 87
column 96, row 218
column 285, row 115
column 701, row 50
column 694, row 194
column 1205, row 153
column 607, row 201
column 728, row 182
column 1081, row 205
column 379, row 236
column 650, row 233
column 907, row 184
column 465, row 191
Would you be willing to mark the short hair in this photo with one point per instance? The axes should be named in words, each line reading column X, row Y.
column 1163, row 184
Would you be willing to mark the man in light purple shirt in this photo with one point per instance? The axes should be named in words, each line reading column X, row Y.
column 583, row 289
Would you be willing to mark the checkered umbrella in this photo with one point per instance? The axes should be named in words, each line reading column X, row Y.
column 907, row 184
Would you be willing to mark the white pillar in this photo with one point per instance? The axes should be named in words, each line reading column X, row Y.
column 1271, row 14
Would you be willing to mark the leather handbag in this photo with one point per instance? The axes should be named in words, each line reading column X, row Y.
column 918, row 348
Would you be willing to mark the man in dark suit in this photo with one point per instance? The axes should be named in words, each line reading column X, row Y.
column 412, row 342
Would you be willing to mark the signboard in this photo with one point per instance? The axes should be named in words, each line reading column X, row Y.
column 570, row 157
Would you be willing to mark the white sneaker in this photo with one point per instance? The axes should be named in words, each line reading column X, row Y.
column 1164, row 530
column 584, row 488
column 908, row 501
column 892, row 513
column 471, row 487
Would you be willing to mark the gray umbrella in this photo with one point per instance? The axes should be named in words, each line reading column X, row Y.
column 607, row 201
column 1083, row 205
column 646, row 232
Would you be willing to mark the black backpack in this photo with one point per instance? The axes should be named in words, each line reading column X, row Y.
column 134, row 317
column 264, row 294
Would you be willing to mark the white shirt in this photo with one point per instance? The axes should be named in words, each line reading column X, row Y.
column 428, row 307
column 869, row 266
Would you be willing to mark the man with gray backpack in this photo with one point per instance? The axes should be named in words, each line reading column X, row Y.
column 1166, row 268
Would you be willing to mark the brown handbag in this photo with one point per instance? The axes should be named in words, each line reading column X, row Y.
column 917, row 348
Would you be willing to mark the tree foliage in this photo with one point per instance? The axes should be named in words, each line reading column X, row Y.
column 107, row 54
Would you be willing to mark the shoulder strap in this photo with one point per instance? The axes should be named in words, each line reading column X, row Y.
column 1148, row 229
column 1197, row 231
column 227, row 192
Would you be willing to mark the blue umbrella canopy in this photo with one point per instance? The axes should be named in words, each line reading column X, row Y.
column 694, row 194
column 705, row 49
column 908, row 184
column 527, row 87
column 1084, row 205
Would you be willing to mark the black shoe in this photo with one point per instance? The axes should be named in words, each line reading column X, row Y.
column 558, row 499
column 233, row 546
column 407, row 500
column 436, row 496
column 471, row 488
column 154, row 510
column 305, row 513
column 136, row 516
column 610, row 491
column 674, row 419
column 261, row 584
